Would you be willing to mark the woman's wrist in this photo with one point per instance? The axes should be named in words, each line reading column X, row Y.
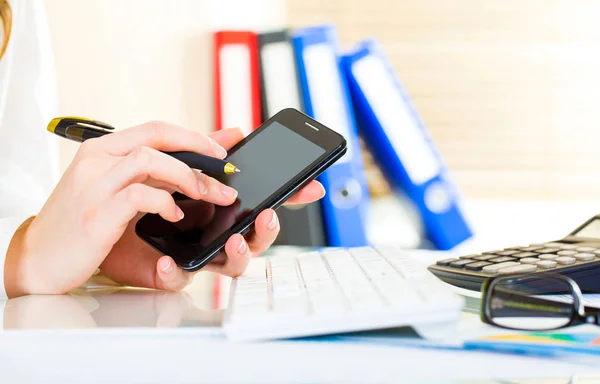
column 15, row 271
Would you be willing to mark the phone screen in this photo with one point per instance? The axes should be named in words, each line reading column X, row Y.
column 267, row 162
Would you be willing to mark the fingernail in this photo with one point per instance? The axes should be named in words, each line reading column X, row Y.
column 273, row 222
column 229, row 192
column 167, row 266
column 217, row 149
column 202, row 187
column 242, row 248
column 179, row 212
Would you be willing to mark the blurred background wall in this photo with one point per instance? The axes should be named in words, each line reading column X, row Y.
column 508, row 89
column 131, row 61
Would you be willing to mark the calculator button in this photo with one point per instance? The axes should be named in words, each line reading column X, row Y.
column 461, row 263
column 548, row 256
column 585, row 249
column 565, row 260
column 468, row 256
column 521, row 268
column 477, row 266
column 492, row 252
column 548, row 250
column 566, row 253
column 597, row 252
column 546, row 264
column 567, row 246
column 445, row 261
column 502, row 259
column 531, row 248
column 494, row 268
column 525, row 254
column 507, row 253
column 584, row 256
column 529, row 260
column 484, row 257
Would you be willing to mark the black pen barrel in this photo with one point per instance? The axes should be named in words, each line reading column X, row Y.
column 204, row 163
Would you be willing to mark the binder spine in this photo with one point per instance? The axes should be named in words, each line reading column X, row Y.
column 346, row 203
column 300, row 225
column 244, row 113
column 431, row 190
column 249, row 40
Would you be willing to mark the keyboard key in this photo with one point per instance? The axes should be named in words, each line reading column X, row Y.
column 566, row 253
column 522, row 268
column 358, row 290
column 567, row 246
column 517, row 248
column 584, row 256
column 596, row 252
column 525, row 254
column 585, row 249
column 546, row 264
column 565, row 260
column 548, row 250
column 502, row 259
column 529, row 260
column 484, row 257
column 460, row 263
column 531, row 248
column 477, row 266
column 445, row 262
column 508, row 252
column 494, row 268
column 406, row 265
column 548, row 256
column 469, row 256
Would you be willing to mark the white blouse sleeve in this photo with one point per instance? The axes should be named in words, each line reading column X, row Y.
column 28, row 101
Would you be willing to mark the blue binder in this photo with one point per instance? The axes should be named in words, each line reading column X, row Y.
column 326, row 99
column 401, row 145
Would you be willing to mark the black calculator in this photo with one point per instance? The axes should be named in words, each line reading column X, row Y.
column 576, row 256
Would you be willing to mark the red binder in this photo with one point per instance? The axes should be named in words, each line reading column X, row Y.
column 237, row 101
column 237, row 87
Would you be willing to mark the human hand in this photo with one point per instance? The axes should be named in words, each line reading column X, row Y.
column 88, row 221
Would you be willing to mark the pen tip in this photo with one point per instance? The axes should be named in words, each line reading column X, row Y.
column 237, row 170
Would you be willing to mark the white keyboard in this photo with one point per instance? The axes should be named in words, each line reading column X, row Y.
column 335, row 291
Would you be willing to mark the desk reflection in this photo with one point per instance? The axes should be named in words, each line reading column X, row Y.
column 123, row 307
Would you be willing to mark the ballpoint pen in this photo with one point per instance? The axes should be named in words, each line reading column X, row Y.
column 80, row 129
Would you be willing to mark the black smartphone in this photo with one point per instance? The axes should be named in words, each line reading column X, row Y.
column 276, row 160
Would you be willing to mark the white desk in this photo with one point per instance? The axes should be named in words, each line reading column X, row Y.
column 140, row 336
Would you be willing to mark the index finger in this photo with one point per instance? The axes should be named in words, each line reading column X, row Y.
column 161, row 136
column 228, row 137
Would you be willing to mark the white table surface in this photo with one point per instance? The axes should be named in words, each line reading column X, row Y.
column 142, row 336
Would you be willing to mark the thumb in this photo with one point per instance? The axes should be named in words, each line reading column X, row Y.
column 169, row 276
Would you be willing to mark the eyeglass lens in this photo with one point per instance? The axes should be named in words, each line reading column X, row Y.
column 531, row 303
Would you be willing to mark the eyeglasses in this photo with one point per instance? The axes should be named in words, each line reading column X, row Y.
column 535, row 302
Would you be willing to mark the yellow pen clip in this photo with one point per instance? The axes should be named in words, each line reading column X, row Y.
column 65, row 121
